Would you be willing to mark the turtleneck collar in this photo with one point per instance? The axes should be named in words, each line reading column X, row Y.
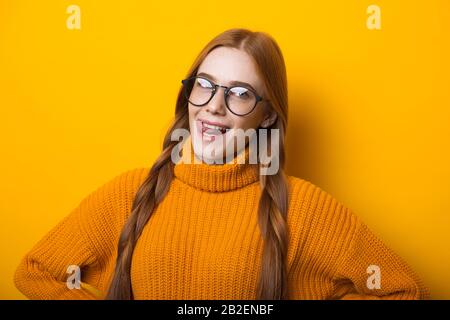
column 215, row 177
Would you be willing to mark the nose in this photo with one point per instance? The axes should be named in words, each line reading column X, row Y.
column 217, row 104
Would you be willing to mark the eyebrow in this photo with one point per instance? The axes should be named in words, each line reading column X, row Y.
column 232, row 83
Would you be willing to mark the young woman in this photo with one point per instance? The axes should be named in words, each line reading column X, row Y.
column 183, row 230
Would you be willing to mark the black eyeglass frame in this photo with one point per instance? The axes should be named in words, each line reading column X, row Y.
column 225, row 94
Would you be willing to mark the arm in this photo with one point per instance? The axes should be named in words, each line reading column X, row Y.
column 42, row 273
column 86, row 238
column 371, row 270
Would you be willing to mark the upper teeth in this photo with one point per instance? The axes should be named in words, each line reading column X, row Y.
column 209, row 126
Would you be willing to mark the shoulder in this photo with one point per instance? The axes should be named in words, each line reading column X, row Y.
column 126, row 181
column 302, row 190
column 122, row 185
column 112, row 200
column 310, row 203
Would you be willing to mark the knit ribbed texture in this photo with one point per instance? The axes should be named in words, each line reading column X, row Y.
column 203, row 242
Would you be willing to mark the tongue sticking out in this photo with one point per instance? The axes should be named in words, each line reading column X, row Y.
column 212, row 131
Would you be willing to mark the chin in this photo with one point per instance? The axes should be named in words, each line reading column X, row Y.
column 203, row 150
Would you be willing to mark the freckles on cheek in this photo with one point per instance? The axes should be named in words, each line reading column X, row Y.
column 192, row 113
column 245, row 125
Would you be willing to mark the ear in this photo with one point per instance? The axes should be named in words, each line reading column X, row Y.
column 269, row 119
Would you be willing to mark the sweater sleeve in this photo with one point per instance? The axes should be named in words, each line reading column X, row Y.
column 84, row 239
column 369, row 270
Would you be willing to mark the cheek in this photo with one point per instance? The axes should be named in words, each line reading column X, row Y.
column 193, row 115
column 192, row 111
column 246, row 123
column 251, row 121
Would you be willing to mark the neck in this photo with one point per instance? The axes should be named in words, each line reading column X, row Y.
column 234, row 174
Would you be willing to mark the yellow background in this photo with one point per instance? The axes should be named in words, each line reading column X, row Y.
column 369, row 109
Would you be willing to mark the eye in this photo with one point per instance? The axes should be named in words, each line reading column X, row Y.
column 240, row 92
column 203, row 83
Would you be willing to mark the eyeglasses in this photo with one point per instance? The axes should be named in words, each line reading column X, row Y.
column 238, row 99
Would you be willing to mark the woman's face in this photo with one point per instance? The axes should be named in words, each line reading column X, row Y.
column 222, row 66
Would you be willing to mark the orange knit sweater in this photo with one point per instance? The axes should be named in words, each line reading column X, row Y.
column 203, row 242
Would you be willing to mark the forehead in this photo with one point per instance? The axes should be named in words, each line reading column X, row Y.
column 230, row 64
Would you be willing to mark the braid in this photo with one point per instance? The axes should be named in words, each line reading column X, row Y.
column 272, row 215
column 148, row 196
